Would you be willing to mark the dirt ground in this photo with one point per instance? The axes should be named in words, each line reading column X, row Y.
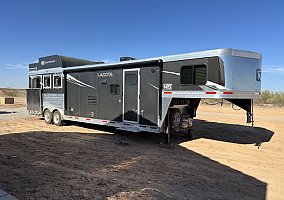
column 226, row 160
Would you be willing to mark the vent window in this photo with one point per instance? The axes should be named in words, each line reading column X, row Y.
column 92, row 100
column 47, row 81
column 114, row 89
column 57, row 81
column 195, row 74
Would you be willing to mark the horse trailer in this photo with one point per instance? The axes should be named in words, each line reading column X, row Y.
column 153, row 95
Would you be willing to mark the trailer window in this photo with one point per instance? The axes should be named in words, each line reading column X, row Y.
column 200, row 74
column 114, row 89
column 131, row 79
column 57, row 83
column 196, row 74
column 47, row 81
column 35, row 81
column 186, row 75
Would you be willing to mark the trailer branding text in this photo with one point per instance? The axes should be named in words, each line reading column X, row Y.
column 105, row 74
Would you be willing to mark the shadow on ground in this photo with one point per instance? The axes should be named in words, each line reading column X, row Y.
column 49, row 165
column 5, row 112
column 231, row 133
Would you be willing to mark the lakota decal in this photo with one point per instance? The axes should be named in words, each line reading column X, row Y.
column 105, row 74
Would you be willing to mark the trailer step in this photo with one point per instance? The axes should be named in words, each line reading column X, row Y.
column 128, row 128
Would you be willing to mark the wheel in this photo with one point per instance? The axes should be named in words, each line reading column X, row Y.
column 47, row 116
column 175, row 119
column 57, row 118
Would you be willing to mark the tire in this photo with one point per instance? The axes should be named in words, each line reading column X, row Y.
column 175, row 119
column 57, row 120
column 47, row 115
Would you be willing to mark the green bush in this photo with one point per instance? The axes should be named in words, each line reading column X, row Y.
column 269, row 97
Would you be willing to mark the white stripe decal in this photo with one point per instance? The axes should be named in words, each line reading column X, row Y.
column 77, row 82
column 153, row 86
column 71, row 81
column 174, row 73
column 74, row 82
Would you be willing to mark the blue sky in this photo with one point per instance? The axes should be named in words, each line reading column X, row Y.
column 108, row 29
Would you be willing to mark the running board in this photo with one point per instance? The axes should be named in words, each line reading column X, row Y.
column 128, row 128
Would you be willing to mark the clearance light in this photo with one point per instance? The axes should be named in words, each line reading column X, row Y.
column 210, row 92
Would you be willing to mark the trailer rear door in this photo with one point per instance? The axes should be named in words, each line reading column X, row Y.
column 34, row 99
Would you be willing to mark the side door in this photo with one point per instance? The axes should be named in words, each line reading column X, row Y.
column 131, row 95
column 34, row 94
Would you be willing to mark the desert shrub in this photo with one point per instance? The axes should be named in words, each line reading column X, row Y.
column 9, row 92
column 270, row 97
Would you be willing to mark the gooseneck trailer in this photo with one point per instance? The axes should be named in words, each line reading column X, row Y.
column 154, row 95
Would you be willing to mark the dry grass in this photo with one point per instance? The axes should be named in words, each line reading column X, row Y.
column 269, row 97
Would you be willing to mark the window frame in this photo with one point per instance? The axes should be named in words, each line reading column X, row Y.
column 31, row 81
column 61, row 78
column 193, row 74
column 50, row 85
column 127, row 79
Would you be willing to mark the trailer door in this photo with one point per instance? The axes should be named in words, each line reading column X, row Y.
column 34, row 101
column 131, row 93
column 34, row 95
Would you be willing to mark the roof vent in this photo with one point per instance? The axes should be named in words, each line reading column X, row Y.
column 126, row 59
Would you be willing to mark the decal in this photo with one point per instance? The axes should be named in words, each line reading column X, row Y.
column 105, row 74
column 215, row 86
column 258, row 74
column 168, row 86
column 153, row 86
column 47, row 62
column 174, row 73
column 75, row 81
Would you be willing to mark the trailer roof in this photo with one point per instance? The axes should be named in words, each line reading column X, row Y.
column 199, row 54
column 193, row 55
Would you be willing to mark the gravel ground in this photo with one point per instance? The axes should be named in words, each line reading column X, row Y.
column 12, row 113
column 226, row 160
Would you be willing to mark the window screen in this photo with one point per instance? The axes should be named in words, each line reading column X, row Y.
column 35, row 82
column 47, row 81
column 195, row 74
column 131, row 79
column 200, row 74
column 57, row 81
column 114, row 89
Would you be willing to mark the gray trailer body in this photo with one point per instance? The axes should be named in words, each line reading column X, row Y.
column 139, row 95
